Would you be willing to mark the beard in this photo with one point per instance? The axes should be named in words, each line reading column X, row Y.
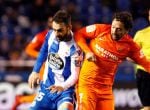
column 64, row 38
column 116, row 37
column 60, row 38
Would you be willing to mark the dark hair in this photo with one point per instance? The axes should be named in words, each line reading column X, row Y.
column 62, row 16
column 125, row 18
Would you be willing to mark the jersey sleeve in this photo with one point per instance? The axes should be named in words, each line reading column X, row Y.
column 42, row 55
column 76, row 61
column 87, row 33
column 138, row 56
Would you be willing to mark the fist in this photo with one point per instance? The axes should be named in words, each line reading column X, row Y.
column 90, row 56
column 33, row 80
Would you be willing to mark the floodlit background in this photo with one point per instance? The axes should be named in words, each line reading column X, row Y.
column 20, row 20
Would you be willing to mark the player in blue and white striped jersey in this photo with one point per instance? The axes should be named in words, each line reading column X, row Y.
column 63, row 61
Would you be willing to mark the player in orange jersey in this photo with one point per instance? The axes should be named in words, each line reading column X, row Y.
column 32, row 49
column 109, row 45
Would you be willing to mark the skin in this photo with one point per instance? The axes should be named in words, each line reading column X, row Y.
column 62, row 32
column 117, row 30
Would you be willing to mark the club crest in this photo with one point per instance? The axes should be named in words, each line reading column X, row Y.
column 55, row 61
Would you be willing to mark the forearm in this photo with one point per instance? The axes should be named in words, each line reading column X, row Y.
column 76, row 62
column 39, row 62
column 71, row 81
column 41, row 57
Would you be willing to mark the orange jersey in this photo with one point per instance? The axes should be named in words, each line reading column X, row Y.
column 109, row 54
column 35, row 45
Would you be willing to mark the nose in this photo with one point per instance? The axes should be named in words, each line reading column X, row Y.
column 114, row 30
column 56, row 33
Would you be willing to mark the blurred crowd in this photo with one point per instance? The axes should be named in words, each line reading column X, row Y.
column 20, row 20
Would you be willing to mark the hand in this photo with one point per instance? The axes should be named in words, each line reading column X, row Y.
column 55, row 88
column 33, row 80
column 90, row 56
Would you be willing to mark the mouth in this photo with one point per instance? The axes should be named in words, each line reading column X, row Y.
column 116, row 37
column 59, row 38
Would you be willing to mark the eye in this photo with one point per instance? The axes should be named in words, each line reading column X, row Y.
column 119, row 29
column 59, row 30
column 113, row 27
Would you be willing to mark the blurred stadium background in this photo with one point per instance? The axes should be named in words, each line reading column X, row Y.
column 20, row 20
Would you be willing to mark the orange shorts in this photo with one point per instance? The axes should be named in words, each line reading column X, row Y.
column 93, row 97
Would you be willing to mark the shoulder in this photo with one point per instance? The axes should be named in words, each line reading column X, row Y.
column 145, row 30
column 49, row 34
column 73, row 47
column 97, row 26
column 127, row 38
column 132, row 43
column 142, row 34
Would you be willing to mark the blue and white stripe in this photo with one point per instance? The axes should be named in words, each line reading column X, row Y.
column 68, row 51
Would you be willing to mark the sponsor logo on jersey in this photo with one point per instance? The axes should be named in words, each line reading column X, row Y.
column 106, row 53
column 55, row 61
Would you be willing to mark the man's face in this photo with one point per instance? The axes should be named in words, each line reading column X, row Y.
column 61, row 30
column 117, row 30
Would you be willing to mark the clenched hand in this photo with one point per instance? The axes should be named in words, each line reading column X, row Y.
column 90, row 56
column 33, row 80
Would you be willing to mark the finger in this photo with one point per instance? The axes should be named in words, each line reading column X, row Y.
column 94, row 59
column 52, row 87
column 48, row 88
column 32, row 84
column 90, row 59
column 53, row 90
column 59, row 91
column 38, row 81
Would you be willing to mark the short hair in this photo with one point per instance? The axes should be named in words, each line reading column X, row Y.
column 62, row 16
column 125, row 18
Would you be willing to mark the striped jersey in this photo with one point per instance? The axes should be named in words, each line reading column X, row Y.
column 62, row 61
